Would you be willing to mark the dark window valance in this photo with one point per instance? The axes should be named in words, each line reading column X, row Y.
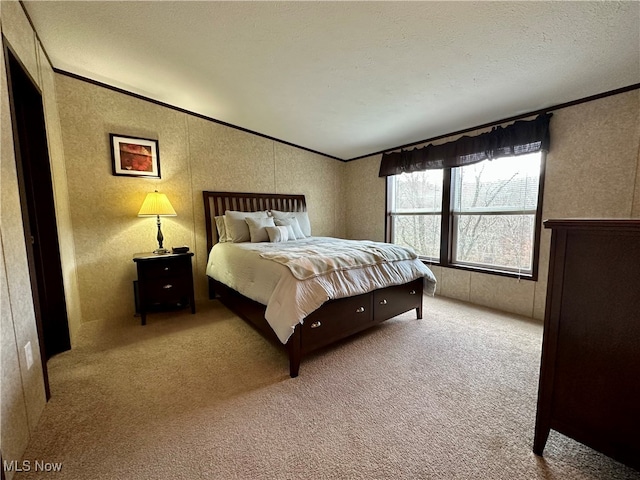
column 519, row 138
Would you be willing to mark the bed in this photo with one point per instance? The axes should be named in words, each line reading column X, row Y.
column 256, row 280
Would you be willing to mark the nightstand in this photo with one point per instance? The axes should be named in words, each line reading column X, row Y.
column 165, row 282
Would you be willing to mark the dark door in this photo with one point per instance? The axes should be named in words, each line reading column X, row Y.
column 38, row 212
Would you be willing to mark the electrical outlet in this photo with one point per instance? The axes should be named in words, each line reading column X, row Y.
column 29, row 354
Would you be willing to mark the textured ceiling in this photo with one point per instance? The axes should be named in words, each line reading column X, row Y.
column 348, row 78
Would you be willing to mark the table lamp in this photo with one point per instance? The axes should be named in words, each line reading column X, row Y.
column 159, row 205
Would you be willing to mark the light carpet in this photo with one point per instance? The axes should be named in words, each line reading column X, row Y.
column 452, row 396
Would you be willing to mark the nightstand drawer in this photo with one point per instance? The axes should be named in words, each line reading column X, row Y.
column 164, row 268
column 165, row 290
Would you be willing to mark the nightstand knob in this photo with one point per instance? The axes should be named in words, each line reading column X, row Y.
column 166, row 269
column 360, row 310
column 316, row 324
column 168, row 286
column 412, row 292
column 383, row 302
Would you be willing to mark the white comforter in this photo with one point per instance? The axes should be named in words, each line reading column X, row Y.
column 289, row 300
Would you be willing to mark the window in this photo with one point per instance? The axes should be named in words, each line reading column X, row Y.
column 484, row 216
column 474, row 202
column 417, row 212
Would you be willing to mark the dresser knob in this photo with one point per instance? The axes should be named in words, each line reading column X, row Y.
column 166, row 269
column 383, row 302
column 412, row 292
column 316, row 324
column 168, row 286
column 360, row 310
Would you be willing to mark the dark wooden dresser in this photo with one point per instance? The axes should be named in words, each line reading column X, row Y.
column 590, row 372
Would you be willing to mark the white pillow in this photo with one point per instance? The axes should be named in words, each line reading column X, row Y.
column 291, row 235
column 302, row 217
column 294, row 225
column 257, row 228
column 278, row 234
column 222, row 229
column 237, row 228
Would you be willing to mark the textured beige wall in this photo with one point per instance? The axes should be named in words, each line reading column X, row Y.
column 17, row 29
column 317, row 177
column 593, row 170
column 223, row 159
column 635, row 212
column 364, row 199
column 195, row 155
column 103, row 207
column 15, row 424
column 636, row 200
column 61, row 195
column 23, row 396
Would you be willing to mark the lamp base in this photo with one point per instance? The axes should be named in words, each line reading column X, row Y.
column 161, row 251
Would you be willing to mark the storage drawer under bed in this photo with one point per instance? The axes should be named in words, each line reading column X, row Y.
column 337, row 319
column 392, row 301
column 345, row 316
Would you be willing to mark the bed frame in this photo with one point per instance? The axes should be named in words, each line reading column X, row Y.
column 334, row 320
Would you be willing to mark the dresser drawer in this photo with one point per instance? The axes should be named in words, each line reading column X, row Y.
column 339, row 318
column 393, row 301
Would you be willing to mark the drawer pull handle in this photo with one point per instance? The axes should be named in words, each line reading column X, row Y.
column 383, row 302
column 412, row 292
column 360, row 310
column 168, row 286
column 316, row 324
column 166, row 269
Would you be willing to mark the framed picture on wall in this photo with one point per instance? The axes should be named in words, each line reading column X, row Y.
column 135, row 157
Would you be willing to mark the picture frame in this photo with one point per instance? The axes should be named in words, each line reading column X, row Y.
column 134, row 156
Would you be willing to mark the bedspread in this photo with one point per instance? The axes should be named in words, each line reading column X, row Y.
column 243, row 267
column 325, row 255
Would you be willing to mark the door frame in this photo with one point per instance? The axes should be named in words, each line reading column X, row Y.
column 45, row 273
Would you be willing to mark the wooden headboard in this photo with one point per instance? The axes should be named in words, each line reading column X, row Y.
column 216, row 203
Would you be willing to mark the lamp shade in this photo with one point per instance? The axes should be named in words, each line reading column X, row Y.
column 156, row 204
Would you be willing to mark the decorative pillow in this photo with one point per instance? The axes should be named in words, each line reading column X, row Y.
column 237, row 228
column 295, row 233
column 291, row 235
column 222, row 229
column 257, row 228
column 278, row 234
column 302, row 217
